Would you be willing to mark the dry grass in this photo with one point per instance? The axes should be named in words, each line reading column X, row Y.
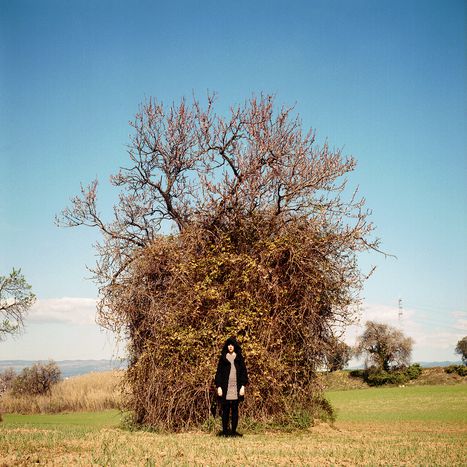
column 437, row 375
column 348, row 444
column 340, row 380
column 90, row 392
column 101, row 391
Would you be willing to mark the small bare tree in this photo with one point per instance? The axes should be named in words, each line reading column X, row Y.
column 36, row 379
column 263, row 246
column 16, row 299
column 384, row 346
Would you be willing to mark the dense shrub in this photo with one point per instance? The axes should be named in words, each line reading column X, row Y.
column 37, row 379
column 413, row 371
column 376, row 377
column 226, row 289
column 357, row 373
column 380, row 378
column 461, row 370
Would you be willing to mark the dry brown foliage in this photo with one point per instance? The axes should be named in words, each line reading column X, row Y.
column 263, row 247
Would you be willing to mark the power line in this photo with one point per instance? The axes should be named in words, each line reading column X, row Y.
column 439, row 323
column 433, row 307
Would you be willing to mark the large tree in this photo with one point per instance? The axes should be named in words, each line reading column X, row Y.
column 384, row 346
column 15, row 300
column 461, row 349
column 233, row 225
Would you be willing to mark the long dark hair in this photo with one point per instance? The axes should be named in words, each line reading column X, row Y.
column 237, row 348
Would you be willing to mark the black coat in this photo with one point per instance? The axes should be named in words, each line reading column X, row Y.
column 223, row 369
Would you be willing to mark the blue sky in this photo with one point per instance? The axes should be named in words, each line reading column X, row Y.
column 384, row 80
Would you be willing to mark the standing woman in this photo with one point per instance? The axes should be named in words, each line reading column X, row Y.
column 231, row 379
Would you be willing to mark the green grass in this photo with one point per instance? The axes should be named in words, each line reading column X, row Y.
column 76, row 420
column 415, row 403
column 382, row 426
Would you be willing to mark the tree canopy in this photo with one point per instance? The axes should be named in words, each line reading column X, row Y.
column 338, row 354
column 384, row 346
column 461, row 349
column 15, row 300
column 239, row 225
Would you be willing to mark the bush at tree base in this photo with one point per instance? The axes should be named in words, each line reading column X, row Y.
column 357, row 373
column 264, row 249
column 383, row 377
column 413, row 371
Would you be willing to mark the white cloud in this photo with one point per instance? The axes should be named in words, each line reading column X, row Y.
column 435, row 334
column 375, row 312
column 460, row 319
column 72, row 310
column 62, row 329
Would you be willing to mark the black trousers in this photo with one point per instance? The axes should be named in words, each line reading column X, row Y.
column 227, row 407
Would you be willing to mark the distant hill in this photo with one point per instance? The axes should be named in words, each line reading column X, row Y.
column 81, row 367
column 68, row 367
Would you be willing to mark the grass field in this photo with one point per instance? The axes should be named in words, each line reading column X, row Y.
column 424, row 425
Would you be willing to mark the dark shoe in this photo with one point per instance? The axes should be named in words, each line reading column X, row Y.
column 223, row 433
column 236, row 434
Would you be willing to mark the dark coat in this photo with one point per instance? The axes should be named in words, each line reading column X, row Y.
column 223, row 369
